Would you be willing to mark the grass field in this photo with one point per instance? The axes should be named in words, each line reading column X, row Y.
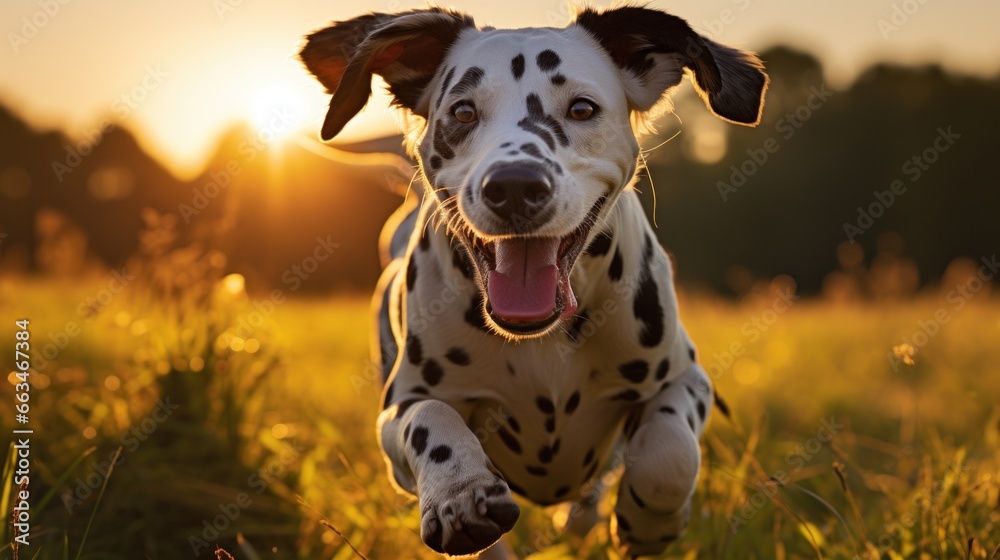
column 257, row 436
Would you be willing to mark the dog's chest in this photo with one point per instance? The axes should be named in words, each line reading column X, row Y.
column 547, row 412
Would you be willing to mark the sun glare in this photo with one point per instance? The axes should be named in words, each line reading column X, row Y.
column 277, row 111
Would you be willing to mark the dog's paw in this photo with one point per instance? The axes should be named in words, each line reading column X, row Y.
column 467, row 517
column 643, row 532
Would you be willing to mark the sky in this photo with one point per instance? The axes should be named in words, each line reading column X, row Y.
column 179, row 73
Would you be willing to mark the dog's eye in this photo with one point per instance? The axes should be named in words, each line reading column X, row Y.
column 465, row 112
column 581, row 110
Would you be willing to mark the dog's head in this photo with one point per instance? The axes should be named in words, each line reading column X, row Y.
column 526, row 136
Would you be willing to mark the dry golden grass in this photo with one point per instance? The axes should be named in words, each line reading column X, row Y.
column 910, row 471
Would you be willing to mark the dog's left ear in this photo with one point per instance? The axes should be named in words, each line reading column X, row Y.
column 405, row 49
column 652, row 48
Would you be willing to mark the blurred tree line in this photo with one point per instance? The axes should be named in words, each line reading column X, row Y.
column 879, row 186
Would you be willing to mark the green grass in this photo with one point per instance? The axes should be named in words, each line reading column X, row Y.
column 912, row 473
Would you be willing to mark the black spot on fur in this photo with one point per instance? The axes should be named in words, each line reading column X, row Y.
column 589, row 457
column 440, row 454
column 578, row 321
column 435, row 162
column 432, row 373
column 497, row 489
column 668, row 409
column 691, row 391
column 468, row 82
column 630, row 395
column 533, row 128
column 513, row 423
column 419, row 440
column 545, row 454
column 517, row 66
column 691, row 353
column 537, row 471
column 562, row 491
column 662, row 369
column 474, row 314
column 558, row 80
column 701, row 410
column 506, row 144
column 509, row 440
column 402, row 407
column 646, row 305
column 537, row 114
column 533, row 151
column 555, row 445
column 414, row 350
column 600, row 245
column 617, row 267
column 425, row 240
column 420, row 390
column 548, row 60
column 635, row 497
column 513, row 153
column 444, row 86
column 691, row 422
column 545, row 405
column 550, row 424
column 441, row 145
column 406, row 433
column 623, row 523
column 573, row 402
column 590, row 472
column 411, row 275
column 458, row 357
column 635, row 371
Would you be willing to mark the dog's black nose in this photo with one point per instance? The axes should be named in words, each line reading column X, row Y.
column 517, row 193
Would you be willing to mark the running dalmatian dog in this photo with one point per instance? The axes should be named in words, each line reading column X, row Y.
column 527, row 323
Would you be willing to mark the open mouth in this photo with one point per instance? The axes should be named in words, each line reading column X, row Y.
column 527, row 279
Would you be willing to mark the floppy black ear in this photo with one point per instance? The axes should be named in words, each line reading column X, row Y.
column 405, row 49
column 653, row 48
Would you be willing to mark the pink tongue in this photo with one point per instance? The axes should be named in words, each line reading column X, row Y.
column 523, row 286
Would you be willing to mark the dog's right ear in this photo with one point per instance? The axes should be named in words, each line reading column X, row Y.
column 404, row 49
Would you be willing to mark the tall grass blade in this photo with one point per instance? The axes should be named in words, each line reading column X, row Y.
column 97, row 505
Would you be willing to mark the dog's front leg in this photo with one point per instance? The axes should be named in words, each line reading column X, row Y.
column 661, row 466
column 465, row 504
